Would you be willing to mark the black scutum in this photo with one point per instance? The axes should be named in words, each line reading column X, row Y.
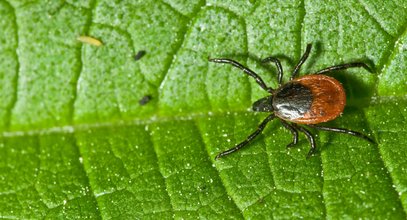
column 292, row 101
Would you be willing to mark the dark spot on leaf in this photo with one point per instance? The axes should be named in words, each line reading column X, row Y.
column 145, row 100
column 139, row 54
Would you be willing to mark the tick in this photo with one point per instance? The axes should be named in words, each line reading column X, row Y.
column 302, row 102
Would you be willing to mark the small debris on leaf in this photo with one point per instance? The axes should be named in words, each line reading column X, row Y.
column 139, row 54
column 146, row 99
column 90, row 40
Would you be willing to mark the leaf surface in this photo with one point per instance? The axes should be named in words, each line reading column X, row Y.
column 76, row 142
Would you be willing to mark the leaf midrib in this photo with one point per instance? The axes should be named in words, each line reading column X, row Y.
column 68, row 129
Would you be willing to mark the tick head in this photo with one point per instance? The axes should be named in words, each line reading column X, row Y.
column 264, row 104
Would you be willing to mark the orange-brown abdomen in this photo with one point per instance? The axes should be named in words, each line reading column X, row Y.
column 328, row 99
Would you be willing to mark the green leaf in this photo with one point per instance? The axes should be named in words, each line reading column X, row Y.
column 76, row 143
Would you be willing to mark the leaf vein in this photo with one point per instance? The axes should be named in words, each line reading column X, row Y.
column 87, row 181
column 161, row 173
column 220, row 177
column 183, row 32
column 10, row 107
column 366, row 10
column 77, row 75
column 389, row 55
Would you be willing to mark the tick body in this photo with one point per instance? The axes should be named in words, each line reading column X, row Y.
column 302, row 102
column 310, row 99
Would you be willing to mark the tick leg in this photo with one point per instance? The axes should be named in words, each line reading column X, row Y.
column 310, row 139
column 302, row 60
column 344, row 131
column 260, row 128
column 246, row 70
column 294, row 132
column 279, row 67
column 343, row 67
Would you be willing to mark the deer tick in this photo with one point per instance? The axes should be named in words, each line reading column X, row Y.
column 303, row 101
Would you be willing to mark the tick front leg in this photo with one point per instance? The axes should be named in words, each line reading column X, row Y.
column 279, row 67
column 343, row 67
column 246, row 70
column 301, row 61
column 294, row 132
column 260, row 128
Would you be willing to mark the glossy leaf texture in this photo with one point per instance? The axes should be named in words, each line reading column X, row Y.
column 77, row 142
